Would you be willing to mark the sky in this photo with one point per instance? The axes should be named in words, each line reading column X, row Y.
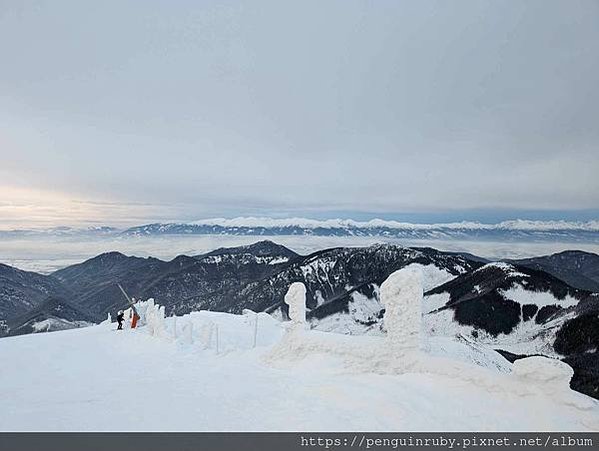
column 123, row 113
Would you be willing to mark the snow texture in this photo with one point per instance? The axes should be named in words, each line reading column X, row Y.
column 432, row 275
column 527, row 338
column 306, row 380
column 56, row 324
column 401, row 295
column 541, row 299
column 550, row 374
column 296, row 300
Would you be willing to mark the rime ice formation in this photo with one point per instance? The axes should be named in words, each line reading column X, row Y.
column 206, row 333
column 401, row 294
column 187, row 333
column 296, row 300
column 550, row 374
column 151, row 315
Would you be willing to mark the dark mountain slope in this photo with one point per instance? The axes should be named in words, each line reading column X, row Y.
column 21, row 291
column 525, row 306
column 94, row 282
column 104, row 268
column 258, row 276
column 578, row 341
column 496, row 297
column 454, row 264
column 577, row 268
column 332, row 275
column 272, row 252
column 53, row 314
column 218, row 275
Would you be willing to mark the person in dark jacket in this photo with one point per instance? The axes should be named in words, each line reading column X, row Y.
column 120, row 319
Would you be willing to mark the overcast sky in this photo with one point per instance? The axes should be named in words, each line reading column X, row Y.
column 127, row 112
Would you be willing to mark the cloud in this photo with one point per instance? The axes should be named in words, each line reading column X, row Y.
column 29, row 208
column 201, row 110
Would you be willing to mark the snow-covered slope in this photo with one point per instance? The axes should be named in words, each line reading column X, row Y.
column 52, row 315
column 522, row 312
column 156, row 379
column 516, row 308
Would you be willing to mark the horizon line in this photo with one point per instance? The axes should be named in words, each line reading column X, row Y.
column 335, row 223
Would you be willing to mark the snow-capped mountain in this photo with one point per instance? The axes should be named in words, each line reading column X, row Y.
column 507, row 230
column 514, row 230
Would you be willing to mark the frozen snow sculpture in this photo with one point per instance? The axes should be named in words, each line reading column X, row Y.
column 296, row 300
column 549, row 375
column 187, row 333
column 174, row 327
column 401, row 295
column 206, row 333
column 154, row 316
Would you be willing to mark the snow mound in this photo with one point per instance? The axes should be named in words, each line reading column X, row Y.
column 56, row 324
column 296, row 300
column 552, row 373
column 401, row 294
column 467, row 351
column 432, row 275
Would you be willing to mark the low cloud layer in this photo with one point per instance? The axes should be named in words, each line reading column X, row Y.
column 202, row 110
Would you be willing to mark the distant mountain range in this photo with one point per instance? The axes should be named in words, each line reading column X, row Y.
column 516, row 230
column 547, row 305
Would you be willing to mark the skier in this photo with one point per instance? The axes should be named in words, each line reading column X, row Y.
column 119, row 318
